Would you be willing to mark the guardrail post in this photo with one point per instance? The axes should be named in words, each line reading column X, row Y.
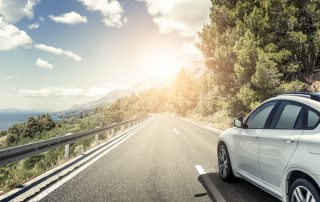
column 67, row 152
column 97, row 139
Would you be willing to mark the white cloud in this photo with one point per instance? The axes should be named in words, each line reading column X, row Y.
column 184, row 17
column 33, row 26
column 41, row 19
column 11, row 37
column 58, row 51
column 44, row 64
column 14, row 10
column 69, row 18
column 110, row 9
column 64, row 92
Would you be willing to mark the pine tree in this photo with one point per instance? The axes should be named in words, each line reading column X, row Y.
column 256, row 49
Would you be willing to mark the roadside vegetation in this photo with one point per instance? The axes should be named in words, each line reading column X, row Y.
column 258, row 49
column 43, row 127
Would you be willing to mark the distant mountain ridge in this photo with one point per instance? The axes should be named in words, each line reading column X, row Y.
column 75, row 111
column 195, row 68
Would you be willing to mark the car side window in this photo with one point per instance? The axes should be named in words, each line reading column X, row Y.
column 287, row 116
column 258, row 118
column 312, row 119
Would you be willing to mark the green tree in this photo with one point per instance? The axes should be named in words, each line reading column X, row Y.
column 15, row 129
column 12, row 139
column 32, row 128
column 3, row 133
column 184, row 96
column 45, row 122
column 260, row 48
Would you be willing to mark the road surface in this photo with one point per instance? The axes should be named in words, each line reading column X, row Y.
column 157, row 164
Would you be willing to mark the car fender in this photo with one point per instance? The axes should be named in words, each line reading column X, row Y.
column 286, row 175
column 227, row 137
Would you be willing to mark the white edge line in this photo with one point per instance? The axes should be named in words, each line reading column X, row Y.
column 76, row 172
column 212, row 188
column 200, row 170
column 97, row 150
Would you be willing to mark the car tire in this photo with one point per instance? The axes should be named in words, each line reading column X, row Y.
column 224, row 163
column 301, row 188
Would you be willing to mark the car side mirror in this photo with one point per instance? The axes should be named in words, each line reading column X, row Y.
column 238, row 122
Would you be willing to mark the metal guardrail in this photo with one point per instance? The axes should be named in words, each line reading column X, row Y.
column 13, row 154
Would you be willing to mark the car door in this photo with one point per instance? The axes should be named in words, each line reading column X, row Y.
column 278, row 142
column 247, row 140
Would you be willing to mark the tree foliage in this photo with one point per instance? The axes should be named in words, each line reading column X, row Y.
column 256, row 49
column 34, row 126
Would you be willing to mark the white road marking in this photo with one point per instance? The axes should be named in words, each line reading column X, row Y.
column 175, row 130
column 211, row 187
column 200, row 170
column 55, row 186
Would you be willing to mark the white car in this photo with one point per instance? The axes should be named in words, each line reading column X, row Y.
column 276, row 147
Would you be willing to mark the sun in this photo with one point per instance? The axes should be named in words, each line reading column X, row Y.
column 162, row 66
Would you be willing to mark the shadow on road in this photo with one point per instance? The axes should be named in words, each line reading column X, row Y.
column 238, row 191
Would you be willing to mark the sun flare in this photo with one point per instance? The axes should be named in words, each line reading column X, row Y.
column 162, row 65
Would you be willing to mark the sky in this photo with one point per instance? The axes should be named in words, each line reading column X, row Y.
column 56, row 54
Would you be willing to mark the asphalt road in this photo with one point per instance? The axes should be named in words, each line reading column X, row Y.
column 157, row 164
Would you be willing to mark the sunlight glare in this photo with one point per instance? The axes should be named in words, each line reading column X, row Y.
column 162, row 66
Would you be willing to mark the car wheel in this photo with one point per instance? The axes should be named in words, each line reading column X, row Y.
column 225, row 168
column 303, row 190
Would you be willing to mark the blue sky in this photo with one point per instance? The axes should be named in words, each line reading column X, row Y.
column 56, row 54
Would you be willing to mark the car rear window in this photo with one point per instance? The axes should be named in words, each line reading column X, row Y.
column 312, row 119
column 288, row 117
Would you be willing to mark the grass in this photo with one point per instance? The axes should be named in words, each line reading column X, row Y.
column 219, row 119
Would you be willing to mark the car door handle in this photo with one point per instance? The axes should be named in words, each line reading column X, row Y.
column 289, row 140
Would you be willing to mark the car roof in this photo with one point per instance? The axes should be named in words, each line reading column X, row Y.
column 298, row 98
column 313, row 96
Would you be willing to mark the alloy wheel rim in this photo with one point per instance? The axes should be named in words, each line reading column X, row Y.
column 302, row 194
column 223, row 162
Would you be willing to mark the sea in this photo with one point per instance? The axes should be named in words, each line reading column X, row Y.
column 8, row 119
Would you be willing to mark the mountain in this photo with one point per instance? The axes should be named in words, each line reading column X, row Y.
column 196, row 68
column 151, row 82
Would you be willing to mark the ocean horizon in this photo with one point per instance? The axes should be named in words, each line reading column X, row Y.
column 7, row 119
